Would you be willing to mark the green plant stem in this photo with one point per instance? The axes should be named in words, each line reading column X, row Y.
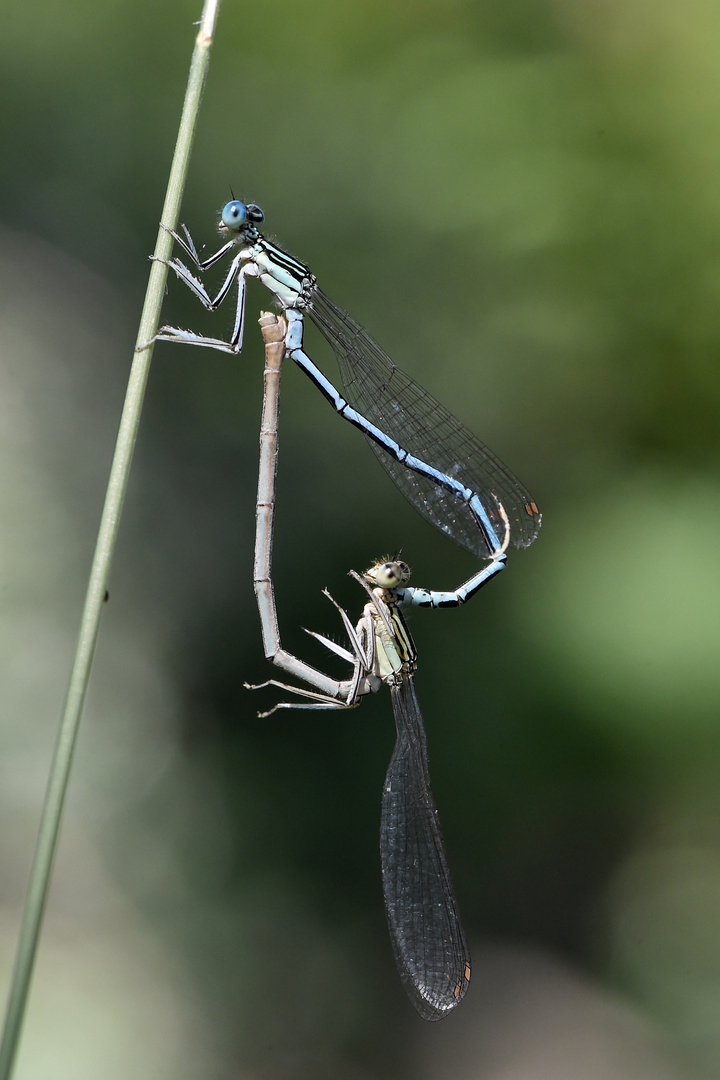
column 46, row 846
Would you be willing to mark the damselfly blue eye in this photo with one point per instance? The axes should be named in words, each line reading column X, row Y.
column 255, row 214
column 234, row 215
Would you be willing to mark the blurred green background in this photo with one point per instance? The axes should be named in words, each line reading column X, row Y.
column 521, row 201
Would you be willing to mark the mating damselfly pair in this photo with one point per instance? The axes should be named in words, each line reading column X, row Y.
column 454, row 481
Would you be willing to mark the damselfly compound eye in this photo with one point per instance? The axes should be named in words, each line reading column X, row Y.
column 234, row 214
column 388, row 575
column 255, row 214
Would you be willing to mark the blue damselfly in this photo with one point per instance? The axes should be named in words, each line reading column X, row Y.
column 450, row 477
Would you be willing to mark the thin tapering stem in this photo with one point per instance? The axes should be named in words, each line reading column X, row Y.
column 60, row 770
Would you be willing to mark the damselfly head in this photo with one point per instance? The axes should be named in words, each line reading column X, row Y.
column 391, row 574
column 241, row 218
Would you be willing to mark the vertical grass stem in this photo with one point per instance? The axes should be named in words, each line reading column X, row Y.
column 107, row 535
